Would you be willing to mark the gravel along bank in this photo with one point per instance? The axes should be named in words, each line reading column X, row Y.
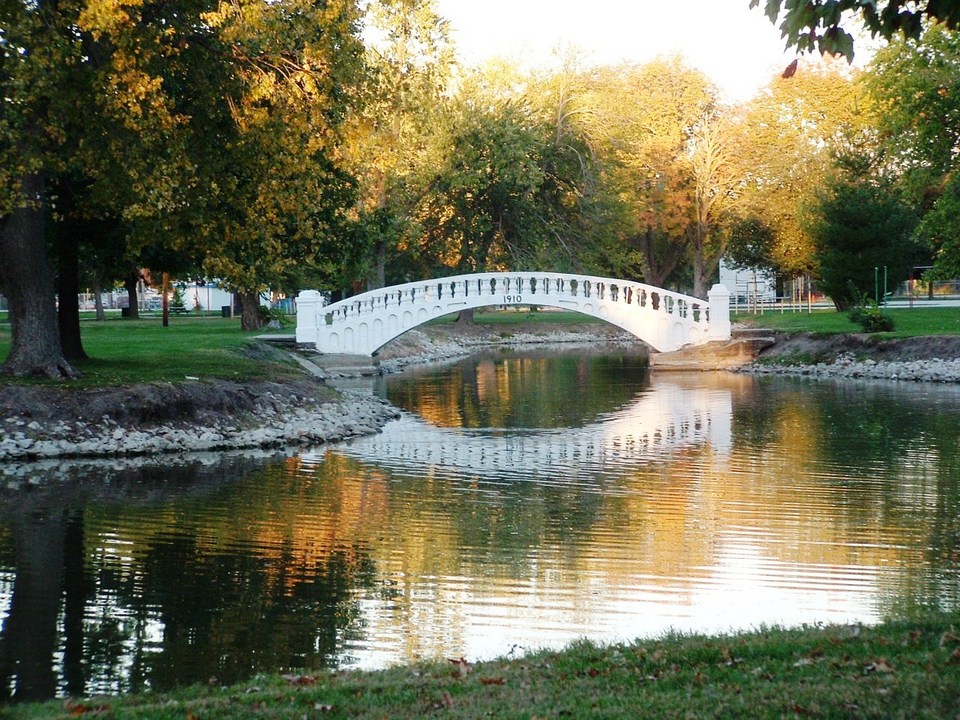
column 921, row 359
column 40, row 423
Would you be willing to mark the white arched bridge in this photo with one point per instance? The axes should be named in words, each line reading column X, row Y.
column 362, row 324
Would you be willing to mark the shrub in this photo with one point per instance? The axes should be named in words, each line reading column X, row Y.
column 871, row 319
column 866, row 314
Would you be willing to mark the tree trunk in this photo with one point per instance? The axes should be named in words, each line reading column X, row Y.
column 130, row 282
column 68, row 290
column 98, row 300
column 465, row 317
column 165, row 300
column 28, row 283
column 250, row 316
column 660, row 258
column 379, row 276
column 701, row 276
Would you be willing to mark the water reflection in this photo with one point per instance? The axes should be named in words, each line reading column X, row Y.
column 656, row 423
column 622, row 506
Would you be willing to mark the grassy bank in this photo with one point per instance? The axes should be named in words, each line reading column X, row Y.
column 908, row 322
column 142, row 351
column 896, row 670
column 126, row 352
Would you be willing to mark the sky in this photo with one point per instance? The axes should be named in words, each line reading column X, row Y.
column 737, row 47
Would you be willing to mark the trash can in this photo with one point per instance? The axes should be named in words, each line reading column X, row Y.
column 225, row 311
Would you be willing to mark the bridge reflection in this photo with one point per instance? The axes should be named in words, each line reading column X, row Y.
column 672, row 414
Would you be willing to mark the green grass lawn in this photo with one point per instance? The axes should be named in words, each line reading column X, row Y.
column 135, row 351
column 907, row 669
column 908, row 322
column 138, row 351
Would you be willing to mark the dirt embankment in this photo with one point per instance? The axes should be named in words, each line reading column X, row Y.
column 933, row 359
column 811, row 349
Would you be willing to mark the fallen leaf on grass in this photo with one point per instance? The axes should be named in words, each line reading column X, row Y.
column 954, row 658
column 463, row 666
column 949, row 638
column 300, row 680
column 78, row 709
column 881, row 666
column 323, row 707
column 446, row 703
column 492, row 681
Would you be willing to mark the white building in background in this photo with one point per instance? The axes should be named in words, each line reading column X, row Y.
column 208, row 297
column 748, row 286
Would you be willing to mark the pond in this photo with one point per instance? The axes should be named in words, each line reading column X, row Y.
column 523, row 500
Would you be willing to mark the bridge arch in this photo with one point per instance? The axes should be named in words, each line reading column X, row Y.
column 362, row 324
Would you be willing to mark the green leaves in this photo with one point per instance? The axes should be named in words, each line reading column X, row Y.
column 809, row 25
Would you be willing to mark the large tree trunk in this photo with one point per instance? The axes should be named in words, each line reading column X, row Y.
column 250, row 317
column 130, row 282
column 68, row 290
column 28, row 283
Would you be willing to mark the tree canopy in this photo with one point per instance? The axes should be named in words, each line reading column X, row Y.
column 287, row 143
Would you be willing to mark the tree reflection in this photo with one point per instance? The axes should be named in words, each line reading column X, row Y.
column 563, row 389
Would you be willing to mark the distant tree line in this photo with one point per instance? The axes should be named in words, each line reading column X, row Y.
column 292, row 144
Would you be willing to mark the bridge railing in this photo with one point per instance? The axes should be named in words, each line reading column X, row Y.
column 448, row 294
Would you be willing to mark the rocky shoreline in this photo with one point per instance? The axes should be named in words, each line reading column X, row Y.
column 39, row 424
column 45, row 423
column 934, row 359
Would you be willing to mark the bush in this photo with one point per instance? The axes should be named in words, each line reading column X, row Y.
column 866, row 314
column 871, row 319
column 273, row 315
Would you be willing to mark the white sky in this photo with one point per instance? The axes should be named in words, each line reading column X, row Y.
column 739, row 48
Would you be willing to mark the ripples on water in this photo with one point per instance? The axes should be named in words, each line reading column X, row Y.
column 520, row 502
